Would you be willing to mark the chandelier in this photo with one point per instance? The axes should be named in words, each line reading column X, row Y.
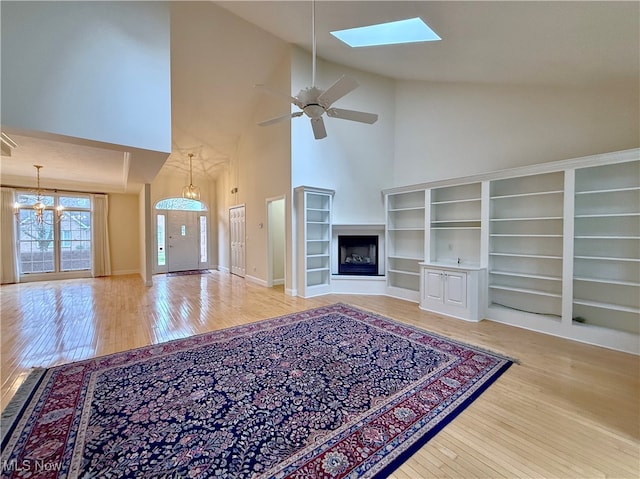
column 39, row 206
column 191, row 192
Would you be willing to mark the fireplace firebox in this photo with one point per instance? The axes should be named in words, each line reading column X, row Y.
column 358, row 255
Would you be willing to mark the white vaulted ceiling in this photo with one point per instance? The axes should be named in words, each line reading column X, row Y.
column 221, row 49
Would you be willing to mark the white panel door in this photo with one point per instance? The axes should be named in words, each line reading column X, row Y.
column 182, row 238
column 455, row 289
column 433, row 285
column 237, row 227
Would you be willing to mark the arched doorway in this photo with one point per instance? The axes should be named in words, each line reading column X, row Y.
column 182, row 232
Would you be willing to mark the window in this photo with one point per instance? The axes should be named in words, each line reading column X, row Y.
column 54, row 246
column 161, row 255
column 203, row 239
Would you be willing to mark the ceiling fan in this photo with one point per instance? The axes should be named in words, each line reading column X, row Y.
column 315, row 102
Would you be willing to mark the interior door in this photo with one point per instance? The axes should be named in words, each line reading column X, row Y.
column 182, row 239
column 237, row 233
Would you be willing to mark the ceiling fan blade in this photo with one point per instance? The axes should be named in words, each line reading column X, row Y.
column 336, row 91
column 352, row 115
column 280, row 95
column 319, row 132
column 278, row 119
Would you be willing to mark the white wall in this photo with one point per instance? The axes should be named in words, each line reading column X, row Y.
column 451, row 130
column 355, row 159
column 124, row 234
column 262, row 169
column 92, row 70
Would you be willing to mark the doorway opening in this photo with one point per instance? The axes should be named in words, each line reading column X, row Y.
column 181, row 235
column 276, row 241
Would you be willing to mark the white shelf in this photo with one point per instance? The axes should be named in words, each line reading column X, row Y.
column 526, row 291
column 609, row 306
column 609, row 190
column 405, row 229
column 409, row 208
column 399, row 271
column 608, row 215
column 522, row 195
column 608, row 281
column 609, row 258
column 410, row 258
column 594, row 237
column 536, row 218
column 509, row 235
column 524, row 255
column 531, row 276
column 448, row 202
column 468, row 228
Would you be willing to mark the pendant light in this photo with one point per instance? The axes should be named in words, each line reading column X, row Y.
column 191, row 192
column 39, row 206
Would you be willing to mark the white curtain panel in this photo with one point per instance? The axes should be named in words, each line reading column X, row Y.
column 8, row 262
column 101, row 254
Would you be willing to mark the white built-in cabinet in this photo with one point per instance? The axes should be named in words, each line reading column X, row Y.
column 554, row 247
column 313, row 210
column 451, row 290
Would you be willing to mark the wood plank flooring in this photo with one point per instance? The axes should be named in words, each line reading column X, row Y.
column 568, row 410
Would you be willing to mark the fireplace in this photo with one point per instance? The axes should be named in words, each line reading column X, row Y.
column 358, row 255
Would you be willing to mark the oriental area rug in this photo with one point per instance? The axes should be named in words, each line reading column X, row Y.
column 332, row 392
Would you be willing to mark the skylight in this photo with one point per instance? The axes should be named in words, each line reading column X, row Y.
column 411, row 30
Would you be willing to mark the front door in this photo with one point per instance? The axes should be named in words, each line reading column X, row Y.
column 183, row 240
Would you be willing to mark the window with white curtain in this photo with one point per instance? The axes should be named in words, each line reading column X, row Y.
column 54, row 246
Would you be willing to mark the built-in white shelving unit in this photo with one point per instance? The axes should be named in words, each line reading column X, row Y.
column 606, row 282
column 456, row 224
column 405, row 240
column 553, row 247
column 526, row 244
column 313, row 207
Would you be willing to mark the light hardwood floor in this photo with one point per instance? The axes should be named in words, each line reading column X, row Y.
column 568, row 410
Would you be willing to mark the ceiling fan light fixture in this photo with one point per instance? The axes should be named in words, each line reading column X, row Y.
column 315, row 102
column 314, row 111
column 410, row 30
column 191, row 192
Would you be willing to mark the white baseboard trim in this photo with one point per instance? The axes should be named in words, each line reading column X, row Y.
column 224, row 269
column 291, row 292
column 122, row 272
column 253, row 279
column 278, row 282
